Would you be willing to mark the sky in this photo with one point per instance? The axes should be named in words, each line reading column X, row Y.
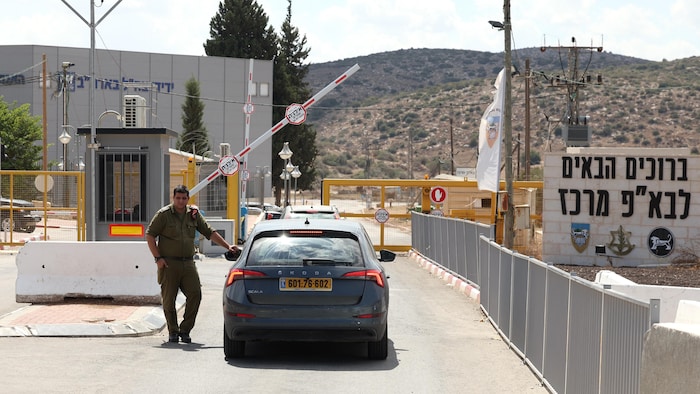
column 339, row 29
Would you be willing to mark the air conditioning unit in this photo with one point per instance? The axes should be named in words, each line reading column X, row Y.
column 135, row 111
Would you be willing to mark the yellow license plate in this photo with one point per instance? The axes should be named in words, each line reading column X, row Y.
column 306, row 284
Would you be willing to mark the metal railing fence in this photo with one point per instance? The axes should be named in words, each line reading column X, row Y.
column 41, row 205
column 576, row 336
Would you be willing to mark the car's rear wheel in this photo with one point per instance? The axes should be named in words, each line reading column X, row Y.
column 379, row 350
column 233, row 349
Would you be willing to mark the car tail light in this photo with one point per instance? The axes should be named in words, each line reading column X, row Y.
column 372, row 275
column 238, row 273
column 242, row 315
column 369, row 315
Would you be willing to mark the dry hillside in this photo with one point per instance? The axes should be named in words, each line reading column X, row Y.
column 429, row 102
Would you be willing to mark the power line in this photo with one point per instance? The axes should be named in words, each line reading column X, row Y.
column 12, row 76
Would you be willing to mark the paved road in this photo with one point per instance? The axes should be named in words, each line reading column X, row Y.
column 439, row 343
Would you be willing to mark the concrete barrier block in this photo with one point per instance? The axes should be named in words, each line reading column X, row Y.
column 670, row 359
column 688, row 312
column 53, row 271
column 670, row 297
column 606, row 277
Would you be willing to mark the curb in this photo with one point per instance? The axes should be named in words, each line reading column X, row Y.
column 145, row 321
column 458, row 284
column 25, row 240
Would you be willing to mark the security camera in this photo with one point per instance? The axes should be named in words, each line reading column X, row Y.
column 67, row 64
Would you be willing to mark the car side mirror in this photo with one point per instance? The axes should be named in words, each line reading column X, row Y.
column 232, row 256
column 386, row 255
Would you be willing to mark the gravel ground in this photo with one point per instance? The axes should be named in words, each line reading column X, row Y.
column 680, row 275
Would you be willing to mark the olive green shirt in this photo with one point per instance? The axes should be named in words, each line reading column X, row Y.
column 176, row 232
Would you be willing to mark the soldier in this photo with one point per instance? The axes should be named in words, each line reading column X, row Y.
column 174, row 228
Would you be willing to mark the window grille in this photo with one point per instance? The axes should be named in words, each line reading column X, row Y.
column 122, row 187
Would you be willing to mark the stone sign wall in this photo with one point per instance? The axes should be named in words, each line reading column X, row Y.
column 625, row 207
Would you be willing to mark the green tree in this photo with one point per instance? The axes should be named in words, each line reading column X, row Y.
column 19, row 131
column 290, row 87
column 240, row 29
column 194, row 137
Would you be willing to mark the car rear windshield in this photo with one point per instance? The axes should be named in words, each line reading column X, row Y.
column 312, row 215
column 305, row 248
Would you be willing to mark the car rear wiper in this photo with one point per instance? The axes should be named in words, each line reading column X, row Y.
column 326, row 262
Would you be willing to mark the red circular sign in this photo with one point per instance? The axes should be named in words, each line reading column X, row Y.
column 381, row 215
column 228, row 165
column 295, row 114
column 438, row 194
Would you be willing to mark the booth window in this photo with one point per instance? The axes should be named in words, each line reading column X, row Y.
column 121, row 187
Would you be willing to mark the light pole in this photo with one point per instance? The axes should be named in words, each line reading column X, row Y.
column 295, row 174
column 288, row 170
column 284, row 176
column 261, row 174
column 286, row 154
column 65, row 140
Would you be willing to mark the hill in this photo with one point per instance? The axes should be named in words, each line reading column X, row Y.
column 404, row 113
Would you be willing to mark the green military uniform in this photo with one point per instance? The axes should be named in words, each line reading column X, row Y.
column 175, row 233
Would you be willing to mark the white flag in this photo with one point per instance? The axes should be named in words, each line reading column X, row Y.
column 488, row 166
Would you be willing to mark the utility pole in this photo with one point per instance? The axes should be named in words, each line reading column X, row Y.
column 64, row 137
column 527, row 119
column 452, row 145
column 508, row 130
column 92, row 144
column 368, row 147
column 575, row 131
column 410, row 153
column 44, row 122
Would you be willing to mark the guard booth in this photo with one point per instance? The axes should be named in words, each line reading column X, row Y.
column 131, row 181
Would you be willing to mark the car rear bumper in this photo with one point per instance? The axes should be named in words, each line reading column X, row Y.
column 351, row 329
column 305, row 335
column 31, row 218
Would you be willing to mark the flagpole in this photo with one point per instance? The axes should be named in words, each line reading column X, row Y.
column 498, row 165
column 488, row 166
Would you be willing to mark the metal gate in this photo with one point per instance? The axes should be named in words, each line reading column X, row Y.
column 41, row 205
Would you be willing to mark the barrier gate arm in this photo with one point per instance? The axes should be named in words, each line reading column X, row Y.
column 317, row 97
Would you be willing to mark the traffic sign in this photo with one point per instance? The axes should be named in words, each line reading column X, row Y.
column 438, row 194
column 228, row 165
column 245, row 175
column 381, row 215
column 248, row 108
column 295, row 114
